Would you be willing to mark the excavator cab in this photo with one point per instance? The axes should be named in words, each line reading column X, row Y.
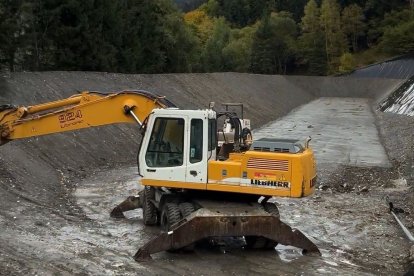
column 176, row 148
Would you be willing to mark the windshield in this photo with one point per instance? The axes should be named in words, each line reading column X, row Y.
column 165, row 148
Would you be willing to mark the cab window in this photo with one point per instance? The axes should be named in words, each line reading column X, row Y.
column 165, row 148
column 196, row 141
column 212, row 134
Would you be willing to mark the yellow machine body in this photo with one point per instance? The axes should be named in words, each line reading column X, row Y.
column 252, row 172
column 176, row 152
column 264, row 173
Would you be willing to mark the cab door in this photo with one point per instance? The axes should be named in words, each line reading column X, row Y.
column 197, row 148
column 164, row 155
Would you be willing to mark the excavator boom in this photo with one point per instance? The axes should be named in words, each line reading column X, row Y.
column 84, row 110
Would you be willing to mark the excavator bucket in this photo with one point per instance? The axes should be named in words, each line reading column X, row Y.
column 131, row 203
column 206, row 223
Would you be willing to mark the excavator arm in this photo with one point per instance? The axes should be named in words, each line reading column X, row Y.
column 83, row 110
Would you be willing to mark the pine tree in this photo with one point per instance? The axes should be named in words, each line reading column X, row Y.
column 311, row 20
column 155, row 38
column 262, row 60
column 335, row 42
column 74, row 35
column 239, row 13
column 399, row 39
column 353, row 24
column 144, row 36
column 15, row 16
column 238, row 51
column 273, row 49
column 295, row 7
column 311, row 41
column 212, row 56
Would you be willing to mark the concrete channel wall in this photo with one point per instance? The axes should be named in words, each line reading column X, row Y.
column 39, row 164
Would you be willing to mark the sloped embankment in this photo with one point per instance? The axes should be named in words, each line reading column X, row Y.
column 36, row 174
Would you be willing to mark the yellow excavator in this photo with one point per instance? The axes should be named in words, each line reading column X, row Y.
column 200, row 181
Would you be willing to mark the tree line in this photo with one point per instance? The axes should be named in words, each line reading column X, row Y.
column 314, row 37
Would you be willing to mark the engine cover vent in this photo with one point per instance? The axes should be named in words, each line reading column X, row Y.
column 268, row 164
column 277, row 145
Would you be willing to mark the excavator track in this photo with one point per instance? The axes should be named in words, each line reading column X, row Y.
column 227, row 219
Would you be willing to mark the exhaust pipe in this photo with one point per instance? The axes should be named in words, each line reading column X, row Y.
column 307, row 142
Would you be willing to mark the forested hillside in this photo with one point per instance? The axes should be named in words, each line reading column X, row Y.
column 315, row 37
